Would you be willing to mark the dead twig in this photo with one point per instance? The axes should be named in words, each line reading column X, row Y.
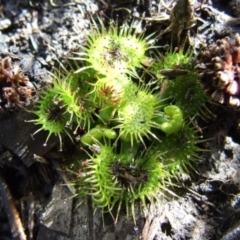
column 152, row 224
column 181, row 18
column 11, row 211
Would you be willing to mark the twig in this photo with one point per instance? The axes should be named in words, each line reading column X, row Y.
column 152, row 223
column 11, row 211
column 30, row 215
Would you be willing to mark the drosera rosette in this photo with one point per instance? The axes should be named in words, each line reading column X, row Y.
column 135, row 43
column 113, row 92
column 186, row 92
column 175, row 62
column 58, row 109
column 142, row 178
column 113, row 50
column 51, row 114
column 110, row 94
column 179, row 151
column 180, row 83
column 135, row 118
column 116, row 180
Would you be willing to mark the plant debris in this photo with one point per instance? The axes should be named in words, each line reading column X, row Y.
column 16, row 89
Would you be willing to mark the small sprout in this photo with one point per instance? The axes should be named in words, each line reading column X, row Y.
column 96, row 134
column 175, row 122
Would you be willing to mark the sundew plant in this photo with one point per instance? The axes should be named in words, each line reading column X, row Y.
column 134, row 120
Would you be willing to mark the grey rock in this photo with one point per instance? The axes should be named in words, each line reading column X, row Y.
column 58, row 211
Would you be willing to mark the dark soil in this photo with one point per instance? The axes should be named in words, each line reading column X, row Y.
column 38, row 35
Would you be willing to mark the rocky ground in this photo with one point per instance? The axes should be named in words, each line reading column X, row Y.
column 34, row 196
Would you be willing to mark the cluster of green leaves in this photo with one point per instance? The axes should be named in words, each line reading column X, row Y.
column 137, row 118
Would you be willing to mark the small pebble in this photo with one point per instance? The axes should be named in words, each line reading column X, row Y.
column 5, row 23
